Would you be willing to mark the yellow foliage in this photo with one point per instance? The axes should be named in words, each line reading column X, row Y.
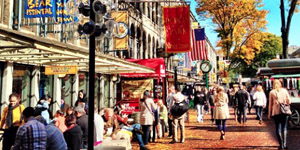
column 239, row 24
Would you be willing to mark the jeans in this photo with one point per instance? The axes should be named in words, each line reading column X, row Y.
column 199, row 112
column 281, row 126
column 242, row 111
column 146, row 133
column 138, row 136
column 223, row 126
column 9, row 138
column 259, row 112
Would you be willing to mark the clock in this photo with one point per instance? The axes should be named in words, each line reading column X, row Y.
column 205, row 66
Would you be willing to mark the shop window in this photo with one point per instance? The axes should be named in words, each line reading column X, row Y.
column 22, row 83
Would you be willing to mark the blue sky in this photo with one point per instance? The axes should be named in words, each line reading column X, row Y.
column 273, row 26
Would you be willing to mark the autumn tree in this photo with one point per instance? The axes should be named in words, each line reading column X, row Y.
column 286, row 23
column 271, row 46
column 238, row 22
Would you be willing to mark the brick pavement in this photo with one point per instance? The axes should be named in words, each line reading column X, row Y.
column 206, row 135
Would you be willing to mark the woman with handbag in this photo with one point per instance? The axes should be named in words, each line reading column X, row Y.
column 279, row 102
column 221, row 112
column 146, row 106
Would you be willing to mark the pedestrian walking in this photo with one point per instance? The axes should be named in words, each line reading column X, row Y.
column 211, row 104
column 32, row 135
column 146, row 106
column 200, row 101
column 241, row 97
column 177, row 120
column 260, row 102
column 221, row 112
column 11, row 120
column 279, row 96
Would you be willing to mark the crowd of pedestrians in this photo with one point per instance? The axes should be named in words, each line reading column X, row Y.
column 36, row 128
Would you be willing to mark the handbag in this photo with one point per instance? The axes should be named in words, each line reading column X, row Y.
column 178, row 109
column 283, row 108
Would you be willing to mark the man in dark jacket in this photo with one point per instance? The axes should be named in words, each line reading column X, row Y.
column 73, row 134
column 241, row 98
column 82, row 121
column 199, row 102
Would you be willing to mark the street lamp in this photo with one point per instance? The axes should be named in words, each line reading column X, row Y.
column 175, row 65
column 102, row 9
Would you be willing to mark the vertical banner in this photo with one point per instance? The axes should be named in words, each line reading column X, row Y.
column 39, row 8
column 177, row 27
column 121, row 33
column 65, row 11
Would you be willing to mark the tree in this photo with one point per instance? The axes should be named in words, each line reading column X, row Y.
column 232, row 16
column 271, row 46
column 285, row 24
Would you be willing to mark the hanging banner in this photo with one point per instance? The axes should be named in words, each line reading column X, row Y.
column 177, row 29
column 39, row 8
column 121, row 33
column 65, row 12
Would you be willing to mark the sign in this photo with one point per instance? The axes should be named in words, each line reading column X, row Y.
column 134, row 89
column 55, row 70
column 39, row 8
column 195, row 25
column 177, row 28
column 121, row 38
column 62, row 10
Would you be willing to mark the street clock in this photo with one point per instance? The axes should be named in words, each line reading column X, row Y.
column 205, row 66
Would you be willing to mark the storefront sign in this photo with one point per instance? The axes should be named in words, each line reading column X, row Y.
column 55, row 70
column 177, row 29
column 62, row 10
column 121, row 38
column 39, row 8
column 134, row 89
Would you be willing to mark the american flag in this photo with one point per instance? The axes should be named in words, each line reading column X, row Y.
column 199, row 51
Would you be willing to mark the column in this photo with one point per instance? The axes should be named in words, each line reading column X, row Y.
column 75, row 88
column 35, row 95
column 56, row 94
column 7, row 84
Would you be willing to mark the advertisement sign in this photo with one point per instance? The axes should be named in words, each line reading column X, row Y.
column 62, row 10
column 55, row 70
column 39, row 8
column 121, row 38
column 177, row 28
column 134, row 89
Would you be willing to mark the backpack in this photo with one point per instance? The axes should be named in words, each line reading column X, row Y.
column 178, row 109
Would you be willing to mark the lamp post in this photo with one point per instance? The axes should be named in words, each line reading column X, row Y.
column 175, row 65
column 104, row 25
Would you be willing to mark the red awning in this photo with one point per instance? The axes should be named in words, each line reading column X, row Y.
column 158, row 64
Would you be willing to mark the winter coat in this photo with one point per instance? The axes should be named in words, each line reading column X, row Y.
column 73, row 137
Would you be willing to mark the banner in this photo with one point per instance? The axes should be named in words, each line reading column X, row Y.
column 63, row 11
column 55, row 70
column 39, row 8
column 134, row 89
column 177, row 27
column 121, row 38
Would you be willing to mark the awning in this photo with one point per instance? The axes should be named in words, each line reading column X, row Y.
column 285, row 75
column 19, row 47
column 158, row 64
column 264, row 71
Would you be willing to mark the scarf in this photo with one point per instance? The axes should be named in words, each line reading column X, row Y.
column 9, row 117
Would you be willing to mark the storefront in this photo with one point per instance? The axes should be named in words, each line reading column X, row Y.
column 22, row 71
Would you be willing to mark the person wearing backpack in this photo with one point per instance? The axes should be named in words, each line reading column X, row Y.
column 177, row 120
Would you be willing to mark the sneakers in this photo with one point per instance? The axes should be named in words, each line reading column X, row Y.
column 172, row 142
column 259, row 121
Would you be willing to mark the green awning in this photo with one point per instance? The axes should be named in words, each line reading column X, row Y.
column 285, row 75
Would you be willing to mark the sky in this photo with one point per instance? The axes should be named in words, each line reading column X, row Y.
column 273, row 26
